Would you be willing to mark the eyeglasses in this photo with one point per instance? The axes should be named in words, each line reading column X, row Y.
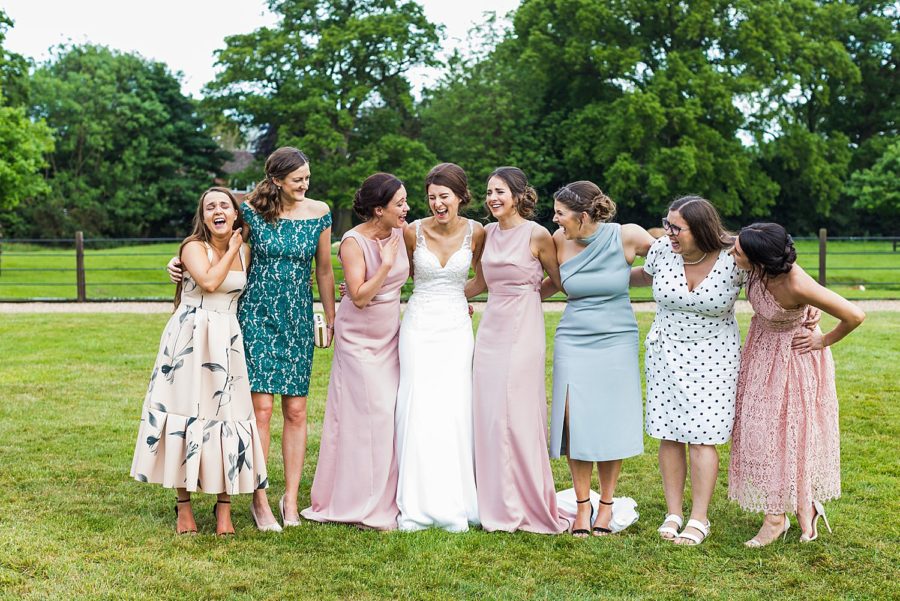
column 672, row 229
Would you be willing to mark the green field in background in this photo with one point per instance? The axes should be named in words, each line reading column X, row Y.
column 138, row 271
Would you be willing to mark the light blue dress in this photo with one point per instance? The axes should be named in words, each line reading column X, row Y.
column 595, row 356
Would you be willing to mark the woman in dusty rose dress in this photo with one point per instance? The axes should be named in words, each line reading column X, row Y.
column 356, row 475
column 785, row 454
column 512, row 468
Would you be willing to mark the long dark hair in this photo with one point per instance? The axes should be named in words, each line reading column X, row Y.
column 266, row 197
column 705, row 223
column 201, row 233
column 525, row 196
column 769, row 249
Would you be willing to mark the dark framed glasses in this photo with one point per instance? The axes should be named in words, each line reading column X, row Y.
column 672, row 229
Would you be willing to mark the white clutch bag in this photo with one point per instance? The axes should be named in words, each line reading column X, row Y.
column 320, row 331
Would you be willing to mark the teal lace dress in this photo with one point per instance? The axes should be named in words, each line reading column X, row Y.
column 276, row 310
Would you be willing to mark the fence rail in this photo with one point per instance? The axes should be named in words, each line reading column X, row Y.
column 103, row 269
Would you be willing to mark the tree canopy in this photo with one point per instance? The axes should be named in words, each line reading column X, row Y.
column 131, row 155
column 24, row 143
column 331, row 78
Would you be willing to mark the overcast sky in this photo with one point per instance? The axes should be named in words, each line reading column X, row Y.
column 184, row 33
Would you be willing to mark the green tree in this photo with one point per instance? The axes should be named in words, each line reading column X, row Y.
column 877, row 189
column 131, row 156
column 330, row 79
column 829, row 106
column 24, row 143
column 637, row 95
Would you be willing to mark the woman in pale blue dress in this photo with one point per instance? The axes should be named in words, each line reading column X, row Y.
column 596, row 414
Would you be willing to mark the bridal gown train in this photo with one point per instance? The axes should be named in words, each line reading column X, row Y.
column 434, row 431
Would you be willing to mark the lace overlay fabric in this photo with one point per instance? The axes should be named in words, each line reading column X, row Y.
column 440, row 289
column 786, row 447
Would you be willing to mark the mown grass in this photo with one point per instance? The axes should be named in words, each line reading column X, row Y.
column 137, row 271
column 73, row 524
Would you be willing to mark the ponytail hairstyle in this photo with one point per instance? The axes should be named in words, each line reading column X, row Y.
column 704, row 222
column 201, row 233
column 266, row 197
column 525, row 196
column 451, row 176
column 769, row 249
column 587, row 197
column 376, row 191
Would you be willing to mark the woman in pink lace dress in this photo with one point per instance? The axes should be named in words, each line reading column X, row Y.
column 785, row 455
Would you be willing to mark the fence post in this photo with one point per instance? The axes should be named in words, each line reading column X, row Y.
column 79, row 267
column 823, row 243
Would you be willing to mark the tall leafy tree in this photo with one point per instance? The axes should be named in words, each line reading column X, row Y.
column 24, row 142
column 763, row 106
column 131, row 156
column 331, row 79
column 829, row 106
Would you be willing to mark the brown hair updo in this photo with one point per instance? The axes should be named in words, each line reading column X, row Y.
column 376, row 191
column 525, row 196
column 451, row 176
column 587, row 197
column 704, row 222
column 769, row 248
column 266, row 197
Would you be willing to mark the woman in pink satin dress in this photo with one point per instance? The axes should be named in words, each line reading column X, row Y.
column 356, row 475
column 512, row 467
column 785, row 451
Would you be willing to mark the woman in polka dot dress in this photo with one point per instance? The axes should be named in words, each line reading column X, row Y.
column 693, row 356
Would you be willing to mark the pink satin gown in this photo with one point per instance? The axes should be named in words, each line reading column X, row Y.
column 512, row 467
column 356, row 474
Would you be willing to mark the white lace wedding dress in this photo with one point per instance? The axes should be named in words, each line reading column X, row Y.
column 434, row 430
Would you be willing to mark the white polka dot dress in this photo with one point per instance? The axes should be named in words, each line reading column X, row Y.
column 693, row 349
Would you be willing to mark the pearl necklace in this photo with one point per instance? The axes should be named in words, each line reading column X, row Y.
column 700, row 260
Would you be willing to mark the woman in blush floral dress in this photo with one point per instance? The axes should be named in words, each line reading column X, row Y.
column 198, row 431
column 785, row 453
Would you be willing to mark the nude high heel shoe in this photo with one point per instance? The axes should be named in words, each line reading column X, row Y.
column 819, row 513
column 754, row 543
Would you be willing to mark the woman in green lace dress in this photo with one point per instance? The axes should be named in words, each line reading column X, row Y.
column 287, row 231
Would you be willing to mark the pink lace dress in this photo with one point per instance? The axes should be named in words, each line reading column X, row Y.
column 785, row 451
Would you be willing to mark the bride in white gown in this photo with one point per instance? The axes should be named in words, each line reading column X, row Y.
column 434, row 430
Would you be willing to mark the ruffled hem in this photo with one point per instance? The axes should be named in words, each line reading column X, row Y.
column 199, row 454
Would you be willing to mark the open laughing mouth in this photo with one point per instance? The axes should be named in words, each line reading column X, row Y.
column 219, row 221
column 441, row 212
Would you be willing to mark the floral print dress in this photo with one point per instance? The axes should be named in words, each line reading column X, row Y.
column 276, row 310
column 197, row 429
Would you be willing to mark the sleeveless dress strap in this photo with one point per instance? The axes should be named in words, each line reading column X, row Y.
column 467, row 241
column 209, row 252
column 420, row 237
column 241, row 255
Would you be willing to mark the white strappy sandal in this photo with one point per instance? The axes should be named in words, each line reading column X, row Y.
column 663, row 529
column 697, row 525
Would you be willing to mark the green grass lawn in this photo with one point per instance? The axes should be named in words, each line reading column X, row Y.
column 73, row 524
column 137, row 272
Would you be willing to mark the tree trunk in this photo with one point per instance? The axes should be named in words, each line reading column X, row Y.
column 342, row 220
